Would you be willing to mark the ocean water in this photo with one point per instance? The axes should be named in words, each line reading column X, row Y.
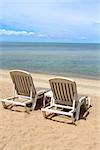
column 80, row 60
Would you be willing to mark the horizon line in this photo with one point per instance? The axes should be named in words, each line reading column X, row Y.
column 50, row 42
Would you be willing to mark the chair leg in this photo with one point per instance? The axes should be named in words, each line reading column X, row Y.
column 77, row 112
column 73, row 119
column 44, row 99
column 4, row 105
column 33, row 104
column 89, row 101
column 44, row 114
column 26, row 109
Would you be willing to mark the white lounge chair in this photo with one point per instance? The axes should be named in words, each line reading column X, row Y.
column 24, row 90
column 64, row 98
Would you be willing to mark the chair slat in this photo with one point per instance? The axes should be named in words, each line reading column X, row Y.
column 23, row 83
column 63, row 90
column 26, row 85
column 67, row 91
column 56, row 93
column 59, row 94
column 71, row 92
column 53, row 89
column 17, row 85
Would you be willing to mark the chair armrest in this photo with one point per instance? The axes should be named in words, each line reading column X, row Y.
column 10, row 98
column 47, row 95
column 85, row 99
column 81, row 100
column 41, row 91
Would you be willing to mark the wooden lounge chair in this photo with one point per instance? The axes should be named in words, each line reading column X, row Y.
column 64, row 98
column 24, row 90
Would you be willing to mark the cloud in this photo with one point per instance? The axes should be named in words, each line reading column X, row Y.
column 15, row 33
column 20, row 33
column 41, row 35
column 96, row 24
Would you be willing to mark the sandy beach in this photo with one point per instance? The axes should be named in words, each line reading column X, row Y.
column 22, row 131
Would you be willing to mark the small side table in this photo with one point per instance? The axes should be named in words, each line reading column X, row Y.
column 47, row 97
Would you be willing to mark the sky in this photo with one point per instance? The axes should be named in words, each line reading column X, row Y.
column 68, row 21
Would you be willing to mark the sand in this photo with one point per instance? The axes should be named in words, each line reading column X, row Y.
column 22, row 131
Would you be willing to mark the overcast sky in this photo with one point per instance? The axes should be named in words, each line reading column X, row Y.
column 50, row 20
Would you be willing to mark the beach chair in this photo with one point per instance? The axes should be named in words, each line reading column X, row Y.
column 64, row 98
column 24, row 90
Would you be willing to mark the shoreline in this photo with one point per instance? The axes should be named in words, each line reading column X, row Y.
column 84, row 85
column 69, row 75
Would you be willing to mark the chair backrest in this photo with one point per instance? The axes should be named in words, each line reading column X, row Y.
column 23, row 82
column 64, row 90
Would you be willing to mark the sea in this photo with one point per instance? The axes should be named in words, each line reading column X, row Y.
column 64, row 59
